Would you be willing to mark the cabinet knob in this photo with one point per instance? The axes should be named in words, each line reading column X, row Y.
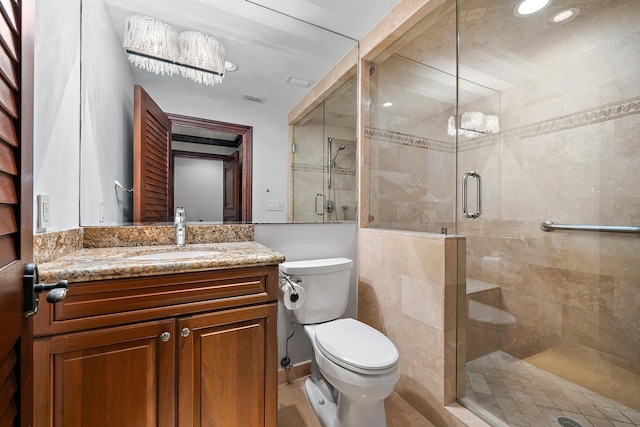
column 165, row 336
column 185, row 332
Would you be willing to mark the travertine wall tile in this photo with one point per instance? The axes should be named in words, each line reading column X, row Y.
column 402, row 293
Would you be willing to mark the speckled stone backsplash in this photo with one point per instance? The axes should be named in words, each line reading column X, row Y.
column 150, row 235
column 56, row 244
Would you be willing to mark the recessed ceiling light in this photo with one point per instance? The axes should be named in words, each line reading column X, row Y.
column 528, row 7
column 230, row 66
column 387, row 104
column 565, row 15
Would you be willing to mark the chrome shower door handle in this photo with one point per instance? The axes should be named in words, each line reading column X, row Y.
column 321, row 206
column 465, row 178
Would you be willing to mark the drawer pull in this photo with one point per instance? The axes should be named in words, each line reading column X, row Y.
column 185, row 332
column 165, row 336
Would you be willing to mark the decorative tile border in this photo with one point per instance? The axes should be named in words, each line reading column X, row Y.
column 586, row 117
column 407, row 139
column 305, row 167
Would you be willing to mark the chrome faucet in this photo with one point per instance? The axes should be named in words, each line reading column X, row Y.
column 181, row 226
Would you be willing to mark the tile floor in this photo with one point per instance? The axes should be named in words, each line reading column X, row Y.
column 517, row 393
column 294, row 409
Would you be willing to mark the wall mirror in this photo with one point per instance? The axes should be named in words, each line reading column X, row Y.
column 323, row 160
column 277, row 57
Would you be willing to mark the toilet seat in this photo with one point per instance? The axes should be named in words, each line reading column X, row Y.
column 356, row 346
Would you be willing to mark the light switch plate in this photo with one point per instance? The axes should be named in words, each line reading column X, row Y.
column 44, row 212
column 101, row 211
column 275, row 205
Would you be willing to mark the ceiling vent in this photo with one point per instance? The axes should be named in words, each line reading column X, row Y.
column 254, row 99
column 298, row 81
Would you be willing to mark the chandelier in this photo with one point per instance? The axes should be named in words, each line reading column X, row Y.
column 156, row 47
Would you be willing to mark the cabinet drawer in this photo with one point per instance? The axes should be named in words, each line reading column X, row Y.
column 117, row 301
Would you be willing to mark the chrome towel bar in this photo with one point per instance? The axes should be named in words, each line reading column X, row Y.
column 550, row 226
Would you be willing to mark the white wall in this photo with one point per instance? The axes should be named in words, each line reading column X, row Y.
column 309, row 241
column 57, row 110
column 107, row 120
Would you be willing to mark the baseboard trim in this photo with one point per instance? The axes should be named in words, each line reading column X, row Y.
column 297, row 371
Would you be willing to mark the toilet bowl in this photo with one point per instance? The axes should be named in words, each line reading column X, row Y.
column 354, row 366
column 488, row 329
column 360, row 363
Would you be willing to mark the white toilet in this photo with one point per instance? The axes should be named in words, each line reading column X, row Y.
column 354, row 366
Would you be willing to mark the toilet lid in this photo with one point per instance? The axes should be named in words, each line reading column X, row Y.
column 352, row 344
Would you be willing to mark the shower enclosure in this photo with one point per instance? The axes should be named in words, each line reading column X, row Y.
column 486, row 122
column 323, row 160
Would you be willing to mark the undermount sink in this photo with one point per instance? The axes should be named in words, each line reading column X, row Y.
column 173, row 255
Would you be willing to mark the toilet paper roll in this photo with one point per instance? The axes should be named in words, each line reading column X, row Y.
column 288, row 291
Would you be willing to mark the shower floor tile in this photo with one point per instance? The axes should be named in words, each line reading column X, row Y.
column 517, row 393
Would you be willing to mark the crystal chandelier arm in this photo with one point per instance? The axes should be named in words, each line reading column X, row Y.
column 179, row 64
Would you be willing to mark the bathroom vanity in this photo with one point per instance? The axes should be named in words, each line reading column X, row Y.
column 159, row 336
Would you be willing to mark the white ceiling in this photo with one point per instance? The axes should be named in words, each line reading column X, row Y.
column 267, row 45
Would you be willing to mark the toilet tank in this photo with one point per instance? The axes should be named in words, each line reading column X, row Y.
column 326, row 285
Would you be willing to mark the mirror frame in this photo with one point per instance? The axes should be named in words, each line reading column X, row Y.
column 247, row 154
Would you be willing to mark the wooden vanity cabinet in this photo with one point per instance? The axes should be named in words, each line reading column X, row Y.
column 122, row 376
column 223, row 378
column 200, row 363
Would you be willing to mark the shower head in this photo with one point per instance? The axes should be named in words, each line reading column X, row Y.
column 340, row 148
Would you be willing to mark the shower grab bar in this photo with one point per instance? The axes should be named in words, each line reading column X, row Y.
column 465, row 177
column 550, row 226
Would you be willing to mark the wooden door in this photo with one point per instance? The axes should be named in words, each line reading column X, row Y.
column 152, row 192
column 231, row 207
column 121, row 376
column 227, row 368
column 16, row 239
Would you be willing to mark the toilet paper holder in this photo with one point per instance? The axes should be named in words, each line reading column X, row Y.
column 294, row 294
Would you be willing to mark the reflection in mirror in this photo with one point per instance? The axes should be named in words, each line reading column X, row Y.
column 324, row 159
column 268, row 48
column 210, row 177
column 200, row 159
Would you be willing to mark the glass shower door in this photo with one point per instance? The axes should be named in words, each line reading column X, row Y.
column 307, row 167
column 324, row 159
column 552, row 317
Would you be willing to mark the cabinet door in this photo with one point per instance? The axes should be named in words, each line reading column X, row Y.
column 227, row 368
column 122, row 376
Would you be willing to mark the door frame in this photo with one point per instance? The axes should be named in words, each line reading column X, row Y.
column 247, row 154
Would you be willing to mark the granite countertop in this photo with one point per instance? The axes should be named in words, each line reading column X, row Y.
column 121, row 262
